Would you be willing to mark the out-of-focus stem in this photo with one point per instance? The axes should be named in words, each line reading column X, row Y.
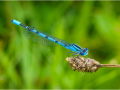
column 110, row 65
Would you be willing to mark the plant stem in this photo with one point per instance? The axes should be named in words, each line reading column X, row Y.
column 110, row 65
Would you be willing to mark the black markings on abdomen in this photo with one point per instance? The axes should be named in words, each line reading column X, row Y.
column 65, row 45
column 37, row 32
column 46, row 36
column 56, row 41
column 23, row 25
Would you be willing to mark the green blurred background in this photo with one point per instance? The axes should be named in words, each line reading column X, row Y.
column 25, row 64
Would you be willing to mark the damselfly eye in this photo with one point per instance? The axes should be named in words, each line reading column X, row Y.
column 85, row 49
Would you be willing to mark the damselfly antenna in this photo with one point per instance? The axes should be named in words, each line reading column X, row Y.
column 89, row 56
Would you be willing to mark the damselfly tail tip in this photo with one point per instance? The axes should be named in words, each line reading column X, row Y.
column 15, row 22
column 12, row 20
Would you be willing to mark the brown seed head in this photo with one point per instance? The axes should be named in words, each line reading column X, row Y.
column 83, row 64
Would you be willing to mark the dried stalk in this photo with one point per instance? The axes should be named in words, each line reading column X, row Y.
column 86, row 64
column 110, row 65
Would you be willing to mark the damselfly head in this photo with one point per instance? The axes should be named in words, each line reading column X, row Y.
column 84, row 52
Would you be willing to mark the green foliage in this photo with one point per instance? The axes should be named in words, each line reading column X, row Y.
column 27, row 65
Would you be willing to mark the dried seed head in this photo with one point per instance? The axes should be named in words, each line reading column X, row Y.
column 83, row 64
column 87, row 64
